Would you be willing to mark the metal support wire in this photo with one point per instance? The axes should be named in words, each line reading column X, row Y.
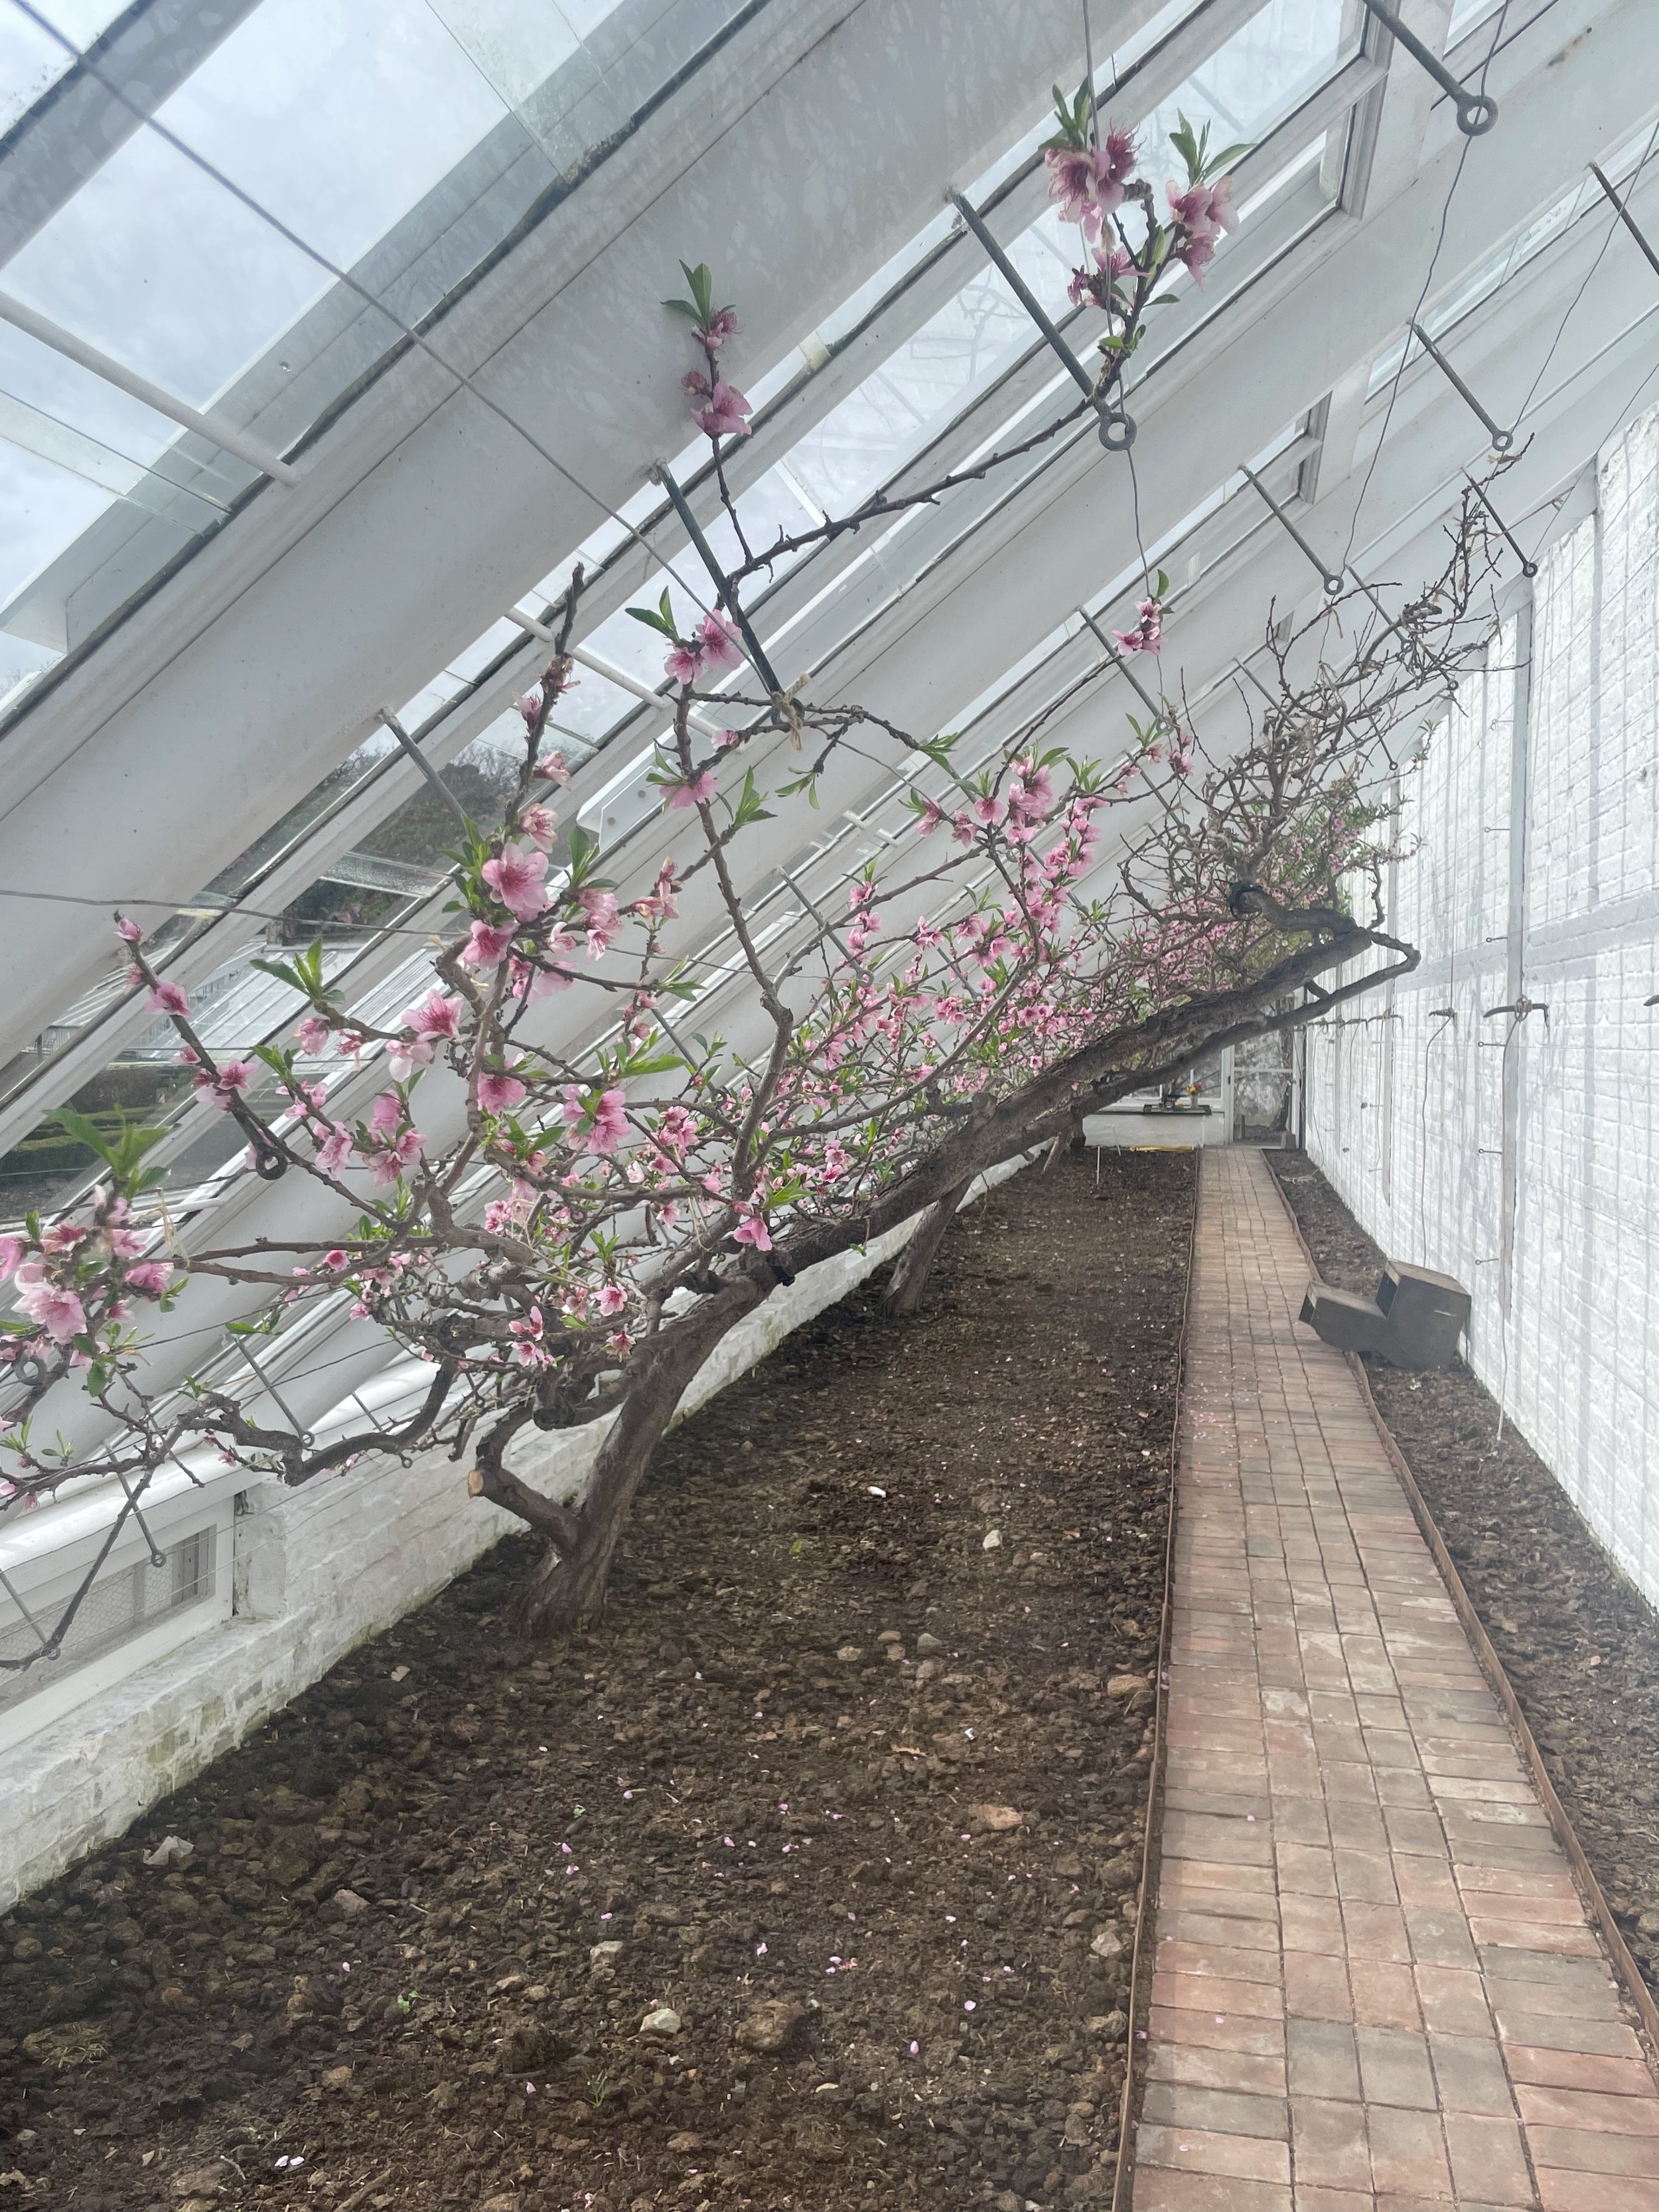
column 1331, row 578
column 1528, row 566
column 424, row 765
column 1626, row 217
column 723, row 595
column 1117, row 429
column 1152, row 706
column 1502, row 440
column 1476, row 111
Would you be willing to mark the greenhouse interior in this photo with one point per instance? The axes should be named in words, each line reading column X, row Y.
column 829, row 1039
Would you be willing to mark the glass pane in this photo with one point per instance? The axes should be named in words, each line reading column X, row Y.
column 399, row 142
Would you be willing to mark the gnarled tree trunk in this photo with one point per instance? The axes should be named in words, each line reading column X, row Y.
column 567, row 1589
column 915, row 1262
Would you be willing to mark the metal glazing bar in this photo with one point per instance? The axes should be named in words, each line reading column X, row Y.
column 612, row 674
column 1627, row 218
column 1476, row 111
column 1331, row 578
column 213, row 427
column 724, row 594
column 1528, row 566
column 1502, row 440
column 1117, row 430
column 422, row 763
column 1152, row 706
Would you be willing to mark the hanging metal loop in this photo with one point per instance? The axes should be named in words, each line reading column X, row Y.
column 1476, row 111
column 1331, row 578
column 1502, row 440
column 1117, row 428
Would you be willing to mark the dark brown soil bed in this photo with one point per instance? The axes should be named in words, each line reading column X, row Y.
column 767, row 1796
column 1577, row 1640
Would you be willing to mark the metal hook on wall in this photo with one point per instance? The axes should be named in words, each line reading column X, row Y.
column 1117, row 429
column 1502, row 440
column 1331, row 578
column 1476, row 111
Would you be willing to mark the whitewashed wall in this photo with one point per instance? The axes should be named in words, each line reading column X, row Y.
column 1520, row 1157
column 315, row 1572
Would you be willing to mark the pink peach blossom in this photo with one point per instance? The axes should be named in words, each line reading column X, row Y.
column 487, row 945
column 51, row 1307
column 516, row 880
column 718, row 636
column 499, row 1093
column 698, row 792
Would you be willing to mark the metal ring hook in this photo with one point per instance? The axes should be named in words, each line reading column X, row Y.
column 1476, row 113
column 1117, row 429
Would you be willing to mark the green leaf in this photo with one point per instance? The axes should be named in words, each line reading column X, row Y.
column 748, row 807
column 584, row 852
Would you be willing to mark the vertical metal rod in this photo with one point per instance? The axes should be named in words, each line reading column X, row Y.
column 1476, row 111
column 1089, row 65
column 1502, row 440
column 1627, row 218
column 1528, row 568
column 1117, row 429
column 1152, row 706
column 723, row 595
column 424, row 765
column 1331, row 578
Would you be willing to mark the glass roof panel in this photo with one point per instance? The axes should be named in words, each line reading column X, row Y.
column 396, row 142
column 1632, row 158
column 927, row 370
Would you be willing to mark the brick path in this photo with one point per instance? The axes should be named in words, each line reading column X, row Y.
column 1376, row 1990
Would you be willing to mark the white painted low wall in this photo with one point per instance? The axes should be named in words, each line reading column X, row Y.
column 317, row 1571
column 1521, row 1153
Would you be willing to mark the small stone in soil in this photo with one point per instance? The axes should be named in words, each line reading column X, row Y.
column 200, row 2181
column 929, row 1645
column 848, row 1652
column 1108, row 1943
column 770, row 2024
column 1125, row 1686
column 347, row 1904
column 663, row 2021
column 994, row 1819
